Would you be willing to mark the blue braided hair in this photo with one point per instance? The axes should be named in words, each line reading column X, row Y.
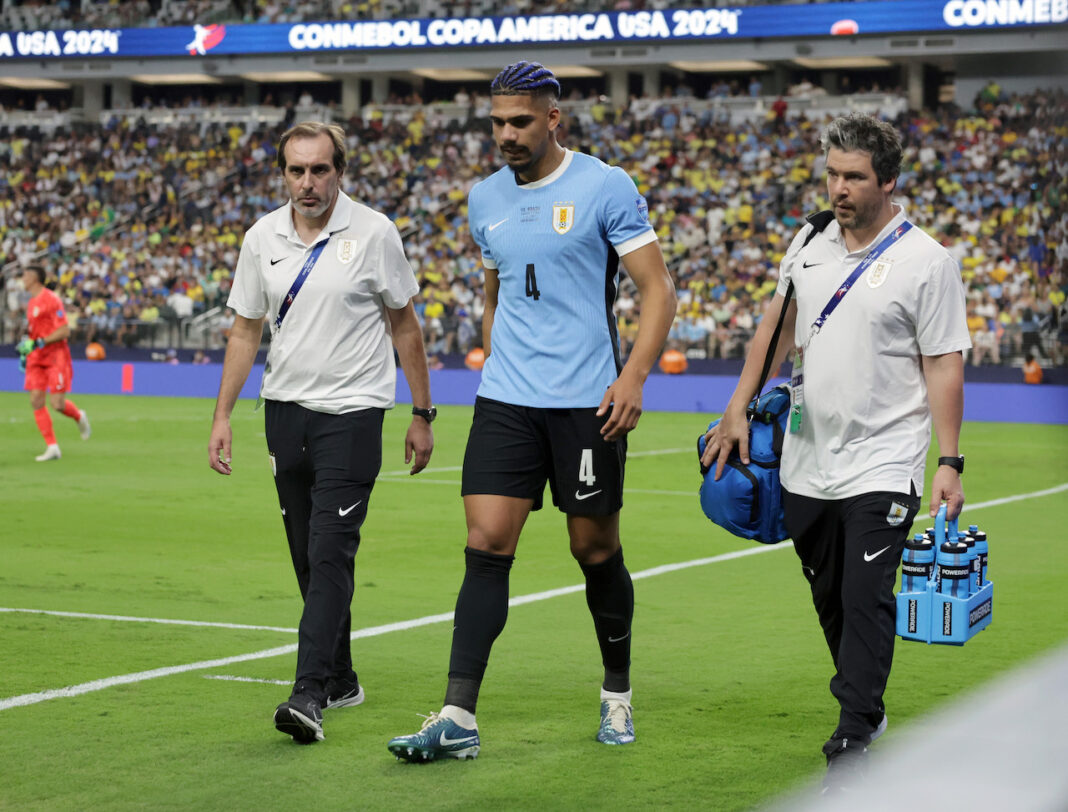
column 525, row 78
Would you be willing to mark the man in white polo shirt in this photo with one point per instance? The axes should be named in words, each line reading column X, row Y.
column 879, row 323
column 330, row 276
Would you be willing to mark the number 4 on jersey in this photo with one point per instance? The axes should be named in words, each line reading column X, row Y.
column 532, row 283
column 586, row 476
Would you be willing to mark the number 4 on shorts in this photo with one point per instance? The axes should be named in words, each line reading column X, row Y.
column 586, row 476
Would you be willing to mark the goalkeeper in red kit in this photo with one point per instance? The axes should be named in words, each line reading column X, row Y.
column 45, row 357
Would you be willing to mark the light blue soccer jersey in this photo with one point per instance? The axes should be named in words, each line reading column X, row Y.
column 555, row 244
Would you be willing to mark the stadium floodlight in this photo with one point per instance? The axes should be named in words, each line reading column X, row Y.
column 454, row 74
column 574, row 71
column 36, row 83
column 175, row 79
column 842, row 62
column 719, row 66
column 288, row 76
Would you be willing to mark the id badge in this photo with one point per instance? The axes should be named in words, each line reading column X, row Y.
column 797, row 394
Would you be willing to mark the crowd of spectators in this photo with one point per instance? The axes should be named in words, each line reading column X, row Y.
column 142, row 226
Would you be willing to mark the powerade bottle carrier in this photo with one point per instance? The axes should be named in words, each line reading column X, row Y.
column 945, row 596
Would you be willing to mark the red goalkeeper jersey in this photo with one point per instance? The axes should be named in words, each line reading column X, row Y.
column 45, row 314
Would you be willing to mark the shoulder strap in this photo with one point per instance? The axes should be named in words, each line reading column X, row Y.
column 819, row 221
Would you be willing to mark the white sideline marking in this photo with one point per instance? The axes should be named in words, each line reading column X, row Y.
column 434, row 469
column 89, row 616
column 374, row 631
column 1018, row 497
column 230, row 678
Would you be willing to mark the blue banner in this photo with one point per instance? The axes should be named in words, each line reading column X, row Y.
column 620, row 27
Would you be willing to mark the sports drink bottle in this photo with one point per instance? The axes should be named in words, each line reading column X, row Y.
column 981, row 550
column 973, row 563
column 954, row 569
column 917, row 564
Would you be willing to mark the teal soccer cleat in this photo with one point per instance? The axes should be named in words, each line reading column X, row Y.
column 617, row 722
column 439, row 737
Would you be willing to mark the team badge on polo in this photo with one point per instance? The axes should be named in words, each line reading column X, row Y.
column 346, row 250
column 897, row 514
column 563, row 217
column 878, row 273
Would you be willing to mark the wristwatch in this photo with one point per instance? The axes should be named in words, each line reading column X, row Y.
column 427, row 414
column 956, row 463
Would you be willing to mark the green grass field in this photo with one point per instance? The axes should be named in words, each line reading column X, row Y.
column 730, row 670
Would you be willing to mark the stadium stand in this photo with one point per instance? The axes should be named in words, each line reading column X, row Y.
column 142, row 214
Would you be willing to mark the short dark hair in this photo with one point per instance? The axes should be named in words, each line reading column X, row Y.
column 526, row 79
column 859, row 132
column 310, row 129
column 40, row 271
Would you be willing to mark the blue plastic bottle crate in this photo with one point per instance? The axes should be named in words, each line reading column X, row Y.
column 933, row 617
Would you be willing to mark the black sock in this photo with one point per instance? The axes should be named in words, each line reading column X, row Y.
column 481, row 611
column 610, row 596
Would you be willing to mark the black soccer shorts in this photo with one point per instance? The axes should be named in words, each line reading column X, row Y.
column 514, row 450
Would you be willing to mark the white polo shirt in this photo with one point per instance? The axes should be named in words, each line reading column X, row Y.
column 333, row 352
column 867, row 423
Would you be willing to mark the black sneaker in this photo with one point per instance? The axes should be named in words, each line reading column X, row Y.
column 847, row 763
column 301, row 716
column 343, row 692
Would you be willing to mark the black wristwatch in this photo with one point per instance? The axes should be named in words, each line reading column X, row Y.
column 956, row 463
column 427, row 414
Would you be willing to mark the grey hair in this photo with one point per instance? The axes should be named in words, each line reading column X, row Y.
column 859, row 132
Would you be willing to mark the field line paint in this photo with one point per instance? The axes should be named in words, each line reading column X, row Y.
column 89, row 616
column 374, row 631
column 397, row 478
column 230, row 678
column 139, row 676
column 1018, row 497
column 434, row 469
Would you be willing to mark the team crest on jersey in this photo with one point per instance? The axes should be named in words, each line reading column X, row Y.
column 346, row 250
column 563, row 217
column 878, row 273
column 897, row 514
column 36, row 310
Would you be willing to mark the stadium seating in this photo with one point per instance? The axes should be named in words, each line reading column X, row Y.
column 141, row 214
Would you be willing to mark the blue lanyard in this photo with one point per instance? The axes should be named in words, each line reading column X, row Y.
column 865, row 263
column 294, row 289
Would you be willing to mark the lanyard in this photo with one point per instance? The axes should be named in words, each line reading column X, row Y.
column 865, row 263
column 294, row 289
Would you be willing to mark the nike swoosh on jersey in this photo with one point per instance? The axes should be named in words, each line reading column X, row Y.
column 581, row 496
column 810, row 264
column 873, row 556
column 348, row 510
column 499, row 223
column 276, row 261
column 445, row 741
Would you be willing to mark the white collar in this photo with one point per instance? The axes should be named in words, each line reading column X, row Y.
column 556, row 173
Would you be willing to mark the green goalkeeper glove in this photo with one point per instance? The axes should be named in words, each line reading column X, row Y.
column 26, row 346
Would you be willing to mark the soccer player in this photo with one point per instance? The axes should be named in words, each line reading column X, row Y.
column 879, row 360
column 331, row 276
column 555, row 403
column 45, row 356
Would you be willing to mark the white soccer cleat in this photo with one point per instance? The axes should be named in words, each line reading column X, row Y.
column 617, row 719
column 50, row 453
column 83, row 426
